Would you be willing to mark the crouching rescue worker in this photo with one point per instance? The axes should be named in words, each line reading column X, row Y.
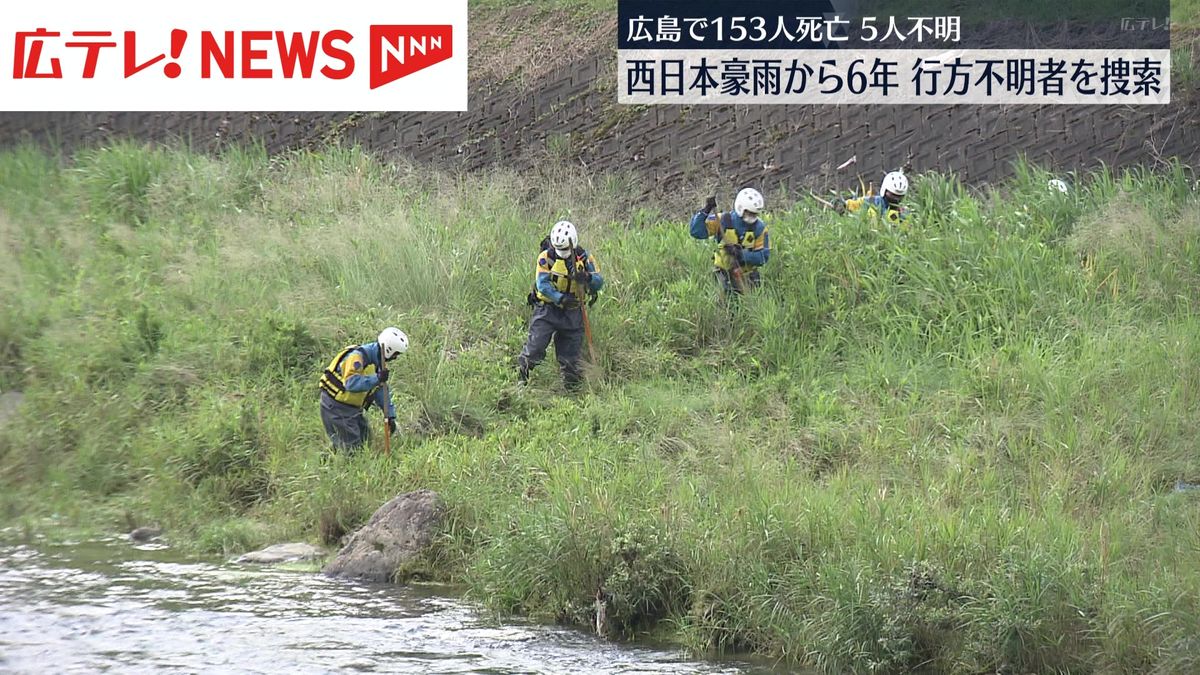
column 743, row 244
column 353, row 381
column 566, row 275
column 887, row 204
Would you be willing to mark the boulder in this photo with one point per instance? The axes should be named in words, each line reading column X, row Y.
column 394, row 538
column 281, row 553
column 144, row 534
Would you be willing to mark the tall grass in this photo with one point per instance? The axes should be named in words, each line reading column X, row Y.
column 950, row 445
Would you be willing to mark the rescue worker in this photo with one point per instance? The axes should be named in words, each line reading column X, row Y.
column 743, row 244
column 892, row 189
column 352, row 382
column 565, row 276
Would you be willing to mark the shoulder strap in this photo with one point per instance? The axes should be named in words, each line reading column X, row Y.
column 727, row 221
column 332, row 378
column 347, row 352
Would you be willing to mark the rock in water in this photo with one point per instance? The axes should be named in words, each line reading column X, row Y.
column 280, row 553
column 397, row 534
column 145, row 533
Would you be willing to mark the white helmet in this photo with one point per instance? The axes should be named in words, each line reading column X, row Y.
column 563, row 237
column 895, row 183
column 748, row 199
column 1056, row 184
column 393, row 342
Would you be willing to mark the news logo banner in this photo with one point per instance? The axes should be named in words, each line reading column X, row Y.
column 233, row 56
column 830, row 52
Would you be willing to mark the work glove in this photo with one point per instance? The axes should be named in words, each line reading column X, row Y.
column 583, row 277
column 391, row 424
column 710, row 204
column 734, row 251
column 383, row 376
column 569, row 301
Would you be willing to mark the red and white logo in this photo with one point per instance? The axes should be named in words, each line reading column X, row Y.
column 397, row 51
column 233, row 55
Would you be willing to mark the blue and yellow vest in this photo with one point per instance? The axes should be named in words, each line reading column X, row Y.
column 561, row 276
column 338, row 370
column 729, row 236
column 877, row 205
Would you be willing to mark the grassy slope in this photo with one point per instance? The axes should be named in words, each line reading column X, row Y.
column 954, row 444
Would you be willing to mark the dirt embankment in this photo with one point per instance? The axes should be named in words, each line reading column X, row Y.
column 547, row 91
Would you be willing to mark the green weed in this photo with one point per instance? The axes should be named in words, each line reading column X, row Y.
column 946, row 445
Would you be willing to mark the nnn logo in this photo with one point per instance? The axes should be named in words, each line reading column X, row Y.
column 397, row 51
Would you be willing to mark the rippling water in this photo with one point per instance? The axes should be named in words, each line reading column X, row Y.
column 85, row 607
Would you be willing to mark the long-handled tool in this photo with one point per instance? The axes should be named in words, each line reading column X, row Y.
column 583, row 305
column 587, row 332
column 387, row 428
column 735, row 268
column 822, row 202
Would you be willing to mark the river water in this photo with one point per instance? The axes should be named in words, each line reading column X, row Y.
column 108, row 605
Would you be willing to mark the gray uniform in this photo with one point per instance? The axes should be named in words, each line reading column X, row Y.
column 345, row 425
column 566, row 327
